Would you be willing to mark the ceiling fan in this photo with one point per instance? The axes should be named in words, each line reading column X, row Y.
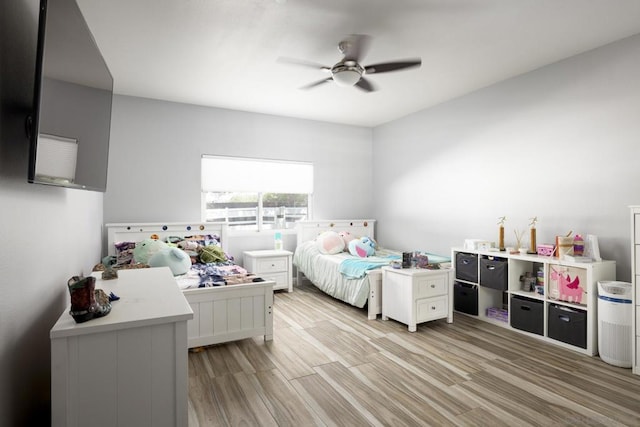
column 348, row 71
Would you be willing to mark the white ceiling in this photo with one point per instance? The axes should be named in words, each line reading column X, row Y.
column 223, row 53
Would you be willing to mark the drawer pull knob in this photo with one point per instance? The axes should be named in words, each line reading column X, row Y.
column 433, row 307
column 433, row 286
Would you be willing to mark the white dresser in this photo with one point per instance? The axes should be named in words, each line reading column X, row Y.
column 275, row 265
column 412, row 295
column 635, row 279
column 129, row 367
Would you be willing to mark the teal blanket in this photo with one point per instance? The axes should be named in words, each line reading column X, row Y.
column 355, row 268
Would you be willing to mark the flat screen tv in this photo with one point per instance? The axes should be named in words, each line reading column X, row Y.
column 70, row 126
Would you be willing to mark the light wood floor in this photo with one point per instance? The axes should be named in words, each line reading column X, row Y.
column 329, row 365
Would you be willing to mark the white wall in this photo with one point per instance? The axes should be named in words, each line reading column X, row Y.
column 561, row 143
column 47, row 235
column 156, row 147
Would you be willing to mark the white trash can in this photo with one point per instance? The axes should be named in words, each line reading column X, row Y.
column 615, row 317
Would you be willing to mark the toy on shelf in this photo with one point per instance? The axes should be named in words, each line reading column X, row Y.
column 532, row 239
column 501, row 221
column 578, row 245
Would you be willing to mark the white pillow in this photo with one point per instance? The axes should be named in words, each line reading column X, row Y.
column 330, row 243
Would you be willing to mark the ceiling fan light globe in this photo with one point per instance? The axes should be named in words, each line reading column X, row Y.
column 346, row 77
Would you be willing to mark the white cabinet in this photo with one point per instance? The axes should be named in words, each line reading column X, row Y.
column 635, row 279
column 272, row 265
column 129, row 367
column 563, row 313
column 413, row 296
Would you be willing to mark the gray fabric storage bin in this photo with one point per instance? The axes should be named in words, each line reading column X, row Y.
column 465, row 298
column 494, row 273
column 567, row 325
column 527, row 315
column 467, row 267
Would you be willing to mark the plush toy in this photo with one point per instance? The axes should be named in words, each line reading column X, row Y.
column 330, row 242
column 212, row 253
column 346, row 238
column 188, row 245
column 176, row 259
column 362, row 247
column 146, row 249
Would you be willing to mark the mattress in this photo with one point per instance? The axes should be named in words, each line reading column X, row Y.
column 324, row 272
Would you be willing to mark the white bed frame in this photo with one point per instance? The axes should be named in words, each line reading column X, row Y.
column 308, row 230
column 220, row 314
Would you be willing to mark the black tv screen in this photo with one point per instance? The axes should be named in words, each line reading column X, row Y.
column 71, row 122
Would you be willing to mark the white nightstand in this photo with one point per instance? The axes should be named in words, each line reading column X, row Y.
column 273, row 265
column 412, row 296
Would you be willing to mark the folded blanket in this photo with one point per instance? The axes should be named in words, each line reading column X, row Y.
column 355, row 268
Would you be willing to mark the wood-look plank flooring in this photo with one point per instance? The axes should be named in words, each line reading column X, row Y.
column 329, row 366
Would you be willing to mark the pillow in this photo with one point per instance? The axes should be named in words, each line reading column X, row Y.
column 330, row 243
column 346, row 237
column 362, row 247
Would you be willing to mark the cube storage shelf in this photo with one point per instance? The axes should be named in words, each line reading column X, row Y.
column 565, row 313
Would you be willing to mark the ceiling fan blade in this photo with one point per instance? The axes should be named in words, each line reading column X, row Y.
column 318, row 83
column 392, row 66
column 365, row 85
column 355, row 47
column 304, row 63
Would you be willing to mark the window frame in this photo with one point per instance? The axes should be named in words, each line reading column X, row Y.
column 260, row 225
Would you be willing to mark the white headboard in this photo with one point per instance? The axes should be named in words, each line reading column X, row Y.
column 309, row 229
column 135, row 232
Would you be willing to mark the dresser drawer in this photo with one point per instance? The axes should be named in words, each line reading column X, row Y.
column 431, row 308
column 266, row 265
column 430, row 286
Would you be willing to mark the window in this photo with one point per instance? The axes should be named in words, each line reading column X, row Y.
column 255, row 194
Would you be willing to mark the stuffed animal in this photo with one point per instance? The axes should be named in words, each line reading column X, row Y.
column 146, row 249
column 346, row 237
column 188, row 245
column 362, row 247
column 330, row 242
column 176, row 259
column 212, row 253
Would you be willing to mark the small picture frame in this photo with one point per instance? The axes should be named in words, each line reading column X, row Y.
column 406, row 259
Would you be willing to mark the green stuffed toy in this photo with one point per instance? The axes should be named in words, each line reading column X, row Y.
column 176, row 259
column 145, row 249
column 212, row 253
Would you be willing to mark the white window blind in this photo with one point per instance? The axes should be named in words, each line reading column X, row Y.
column 256, row 175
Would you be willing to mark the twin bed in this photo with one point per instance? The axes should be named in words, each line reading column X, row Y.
column 220, row 313
column 324, row 270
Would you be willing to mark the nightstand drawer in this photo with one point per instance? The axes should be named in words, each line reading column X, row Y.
column 431, row 308
column 430, row 286
column 279, row 278
column 266, row 265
